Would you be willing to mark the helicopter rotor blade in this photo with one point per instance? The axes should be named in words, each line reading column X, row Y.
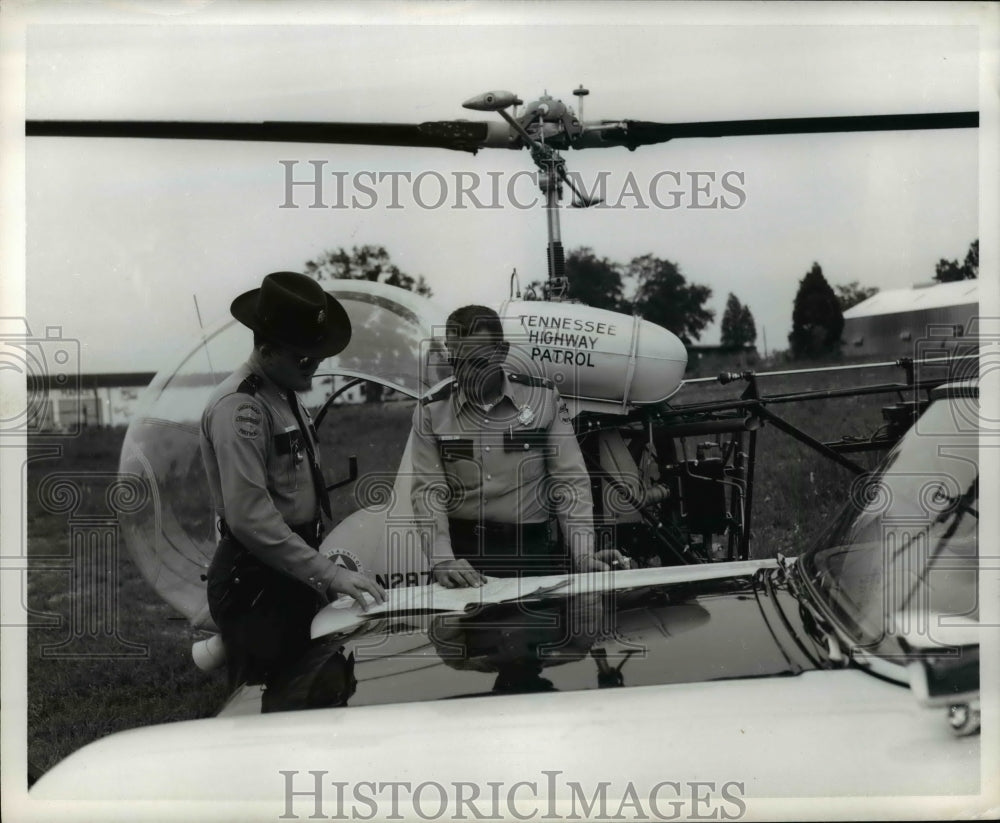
column 633, row 133
column 470, row 136
column 458, row 135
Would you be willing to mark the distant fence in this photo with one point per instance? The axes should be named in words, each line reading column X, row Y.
column 705, row 361
column 67, row 402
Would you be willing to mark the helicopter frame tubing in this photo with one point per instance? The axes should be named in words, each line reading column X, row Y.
column 683, row 484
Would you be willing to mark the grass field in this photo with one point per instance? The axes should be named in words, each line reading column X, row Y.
column 75, row 699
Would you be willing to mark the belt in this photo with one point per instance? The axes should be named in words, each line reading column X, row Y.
column 489, row 528
column 507, row 549
column 311, row 532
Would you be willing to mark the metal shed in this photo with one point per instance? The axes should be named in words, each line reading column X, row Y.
column 905, row 322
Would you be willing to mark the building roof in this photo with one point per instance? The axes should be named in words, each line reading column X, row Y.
column 937, row 296
column 89, row 381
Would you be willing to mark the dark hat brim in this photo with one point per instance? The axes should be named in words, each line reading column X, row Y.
column 335, row 336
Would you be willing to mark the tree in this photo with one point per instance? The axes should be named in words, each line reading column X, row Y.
column 738, row 328
column 364, row 263
column 592, row 280
column 948, row 271
column 853, row 293
column 663, row 296
column 971, row 264
column 817, row 319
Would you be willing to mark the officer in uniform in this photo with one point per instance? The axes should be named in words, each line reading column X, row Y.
column 267, row 580
column 493, row 452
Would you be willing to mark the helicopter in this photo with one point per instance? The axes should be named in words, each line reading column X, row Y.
column 673, row 482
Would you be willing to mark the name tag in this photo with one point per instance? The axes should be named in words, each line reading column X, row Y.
column 289, row 442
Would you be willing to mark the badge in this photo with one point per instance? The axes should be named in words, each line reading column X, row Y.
column 321, row 317
column 247, row 419
column 526, row 415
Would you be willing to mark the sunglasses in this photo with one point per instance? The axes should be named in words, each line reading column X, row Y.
column 461, row 351
column 302, row 362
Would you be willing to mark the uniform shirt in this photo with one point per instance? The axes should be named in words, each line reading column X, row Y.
column 258, row 472
column 512, row 463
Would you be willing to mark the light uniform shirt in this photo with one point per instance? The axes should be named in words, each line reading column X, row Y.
column 258, row 472
column 511, row 463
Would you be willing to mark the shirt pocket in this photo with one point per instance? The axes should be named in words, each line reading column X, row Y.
column 288, row 461
column 461, row 467
column 460, row 448
column 525, row 440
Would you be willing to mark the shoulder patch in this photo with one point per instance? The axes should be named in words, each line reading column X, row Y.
column 530, row 380
column 250, row 385
column 442, row 392
column 247, row 419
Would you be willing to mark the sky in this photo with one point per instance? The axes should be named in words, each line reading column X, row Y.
column 122, row 236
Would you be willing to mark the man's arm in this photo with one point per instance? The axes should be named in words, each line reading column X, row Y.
column 566, row 467
column 240, row 432
column 428, row 492
column 576, row 516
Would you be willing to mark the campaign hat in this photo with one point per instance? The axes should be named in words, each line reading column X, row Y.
column 292, row 309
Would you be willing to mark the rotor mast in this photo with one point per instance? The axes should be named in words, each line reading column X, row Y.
column 558, row 285
column 552, row 175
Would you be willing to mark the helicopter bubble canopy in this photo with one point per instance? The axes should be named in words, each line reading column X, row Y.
column 172, row 536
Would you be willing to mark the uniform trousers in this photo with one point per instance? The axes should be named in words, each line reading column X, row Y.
column 263, row 615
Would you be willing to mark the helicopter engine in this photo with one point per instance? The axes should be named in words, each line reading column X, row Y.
column 649, row 499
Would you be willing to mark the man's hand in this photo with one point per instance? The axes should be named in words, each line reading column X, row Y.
column 356, row 584
column 457, row 574
column 602, row 561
